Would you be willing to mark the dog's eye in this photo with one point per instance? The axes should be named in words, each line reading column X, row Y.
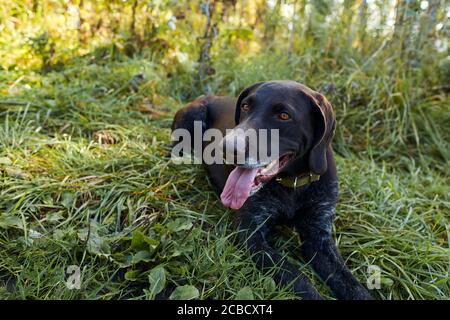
column 284, row 116
column 245, row 107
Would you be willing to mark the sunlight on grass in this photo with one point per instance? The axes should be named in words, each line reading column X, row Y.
column 59, row 181
column 85, row 119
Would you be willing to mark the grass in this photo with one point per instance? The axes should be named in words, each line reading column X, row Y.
column 85, row 181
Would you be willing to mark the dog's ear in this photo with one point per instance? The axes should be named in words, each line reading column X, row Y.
column 323, row 134
column 242, row 95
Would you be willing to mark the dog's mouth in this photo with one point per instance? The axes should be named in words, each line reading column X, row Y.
column 245, row 181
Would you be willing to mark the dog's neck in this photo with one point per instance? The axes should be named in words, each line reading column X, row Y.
column 297, row 174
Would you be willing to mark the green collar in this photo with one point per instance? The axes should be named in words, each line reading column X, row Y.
column 298, row 181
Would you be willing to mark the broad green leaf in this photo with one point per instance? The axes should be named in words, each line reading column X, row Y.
column 5, row 161
column 10, row 221
column 123, row 260
column 137, row 241
column 388, row 282
column 54, row 217
column 157, row 280
column 140, row 241
column 184, row 293
column 245, row 294
column 179, row 224
column 67, row 199
column 132, row 275
column 269, row 284
column 141, row 256
column 95, row 243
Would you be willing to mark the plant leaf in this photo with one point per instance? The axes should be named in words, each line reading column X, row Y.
column 184, row 293
column 141, row 256
column 179, row 224
column 132, row 275
column 8, row 221
column 157, row 279
column 245, row 294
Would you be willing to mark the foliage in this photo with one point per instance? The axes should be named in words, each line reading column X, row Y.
column 87, row 92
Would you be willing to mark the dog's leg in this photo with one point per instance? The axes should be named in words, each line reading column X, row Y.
column 253, row 233
column 319, row 248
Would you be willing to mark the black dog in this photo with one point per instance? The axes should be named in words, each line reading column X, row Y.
column 302, row 193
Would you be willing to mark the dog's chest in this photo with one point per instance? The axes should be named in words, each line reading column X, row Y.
column 280, row 202
column 284, row 203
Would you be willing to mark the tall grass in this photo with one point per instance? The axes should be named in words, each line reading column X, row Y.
column 85, row 179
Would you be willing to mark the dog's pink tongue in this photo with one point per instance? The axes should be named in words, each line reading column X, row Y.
column 238, row 187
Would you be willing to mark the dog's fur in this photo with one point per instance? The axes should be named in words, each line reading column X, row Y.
column 310, row 208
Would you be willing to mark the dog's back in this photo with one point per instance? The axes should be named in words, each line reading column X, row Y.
column 213, row 112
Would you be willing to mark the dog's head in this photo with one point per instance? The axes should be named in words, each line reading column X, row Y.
column 305, row 124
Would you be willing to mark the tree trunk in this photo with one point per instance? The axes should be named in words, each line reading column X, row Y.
column 133, row 20
column 206, row 41
column 35, row 6
column 272, row 17
column 362, row 23
column 292, row 31
column 81, row 36
column 428, row 24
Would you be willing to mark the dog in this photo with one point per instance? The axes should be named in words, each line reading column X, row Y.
column 301, row 192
